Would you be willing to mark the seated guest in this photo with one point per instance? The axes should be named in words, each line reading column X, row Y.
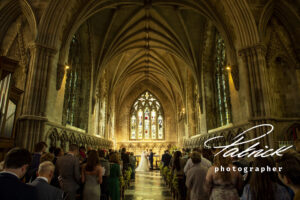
column 68, row 169
column 91, row 176
column 104, row 185
column 41, row 183
column 15, row 166
column 195, row 178
column 39, row 149
column 290, row 173
column 223, row 184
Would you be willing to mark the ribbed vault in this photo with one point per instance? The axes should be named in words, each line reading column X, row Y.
column 157, row 43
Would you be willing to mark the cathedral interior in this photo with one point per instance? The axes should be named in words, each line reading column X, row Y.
column 148, row 74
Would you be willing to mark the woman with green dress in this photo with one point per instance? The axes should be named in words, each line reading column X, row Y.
column 114, row 182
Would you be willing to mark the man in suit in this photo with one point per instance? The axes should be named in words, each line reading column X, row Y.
column 16, row 164
column 151, row 159
column 125, row 159
column 166, row 158
column 41, row 183
column 39, row 149
column 69, row 172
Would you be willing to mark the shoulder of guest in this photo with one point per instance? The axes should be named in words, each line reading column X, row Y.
column 212, row 168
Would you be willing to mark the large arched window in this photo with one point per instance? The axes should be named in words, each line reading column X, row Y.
column 146, row 118
column 77, row 90
column 222, row 85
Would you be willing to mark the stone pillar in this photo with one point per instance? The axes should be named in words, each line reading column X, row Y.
column 255, row 63
column 33, row 114
column 254, row 59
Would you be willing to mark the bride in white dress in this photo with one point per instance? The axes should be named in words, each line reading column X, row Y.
column 143, row 165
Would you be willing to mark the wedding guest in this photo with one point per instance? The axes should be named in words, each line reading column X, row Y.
column 68, row 168
column 52, row 149
column 240, row 162
column 125, row 159
column 223, row 185
column 195, row 179
column 166, row 158
column 208, row 154
column 204, row 162
column 108, row 154
column 58, row 152
column 185, row 154
column 263, row 185
column 290, row 173
column 39, row 149
column 132, row 160
column 82, row 154
column 16, row 164
column 177, row 168
column 41, row 183
column 114, row 183
column 104, row 185
column 47, row 157
column 91, row 176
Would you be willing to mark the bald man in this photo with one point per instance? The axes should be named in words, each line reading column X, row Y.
column 45, row 191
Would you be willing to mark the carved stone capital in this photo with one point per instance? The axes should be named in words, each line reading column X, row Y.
column 42, row 47
column 258, row 49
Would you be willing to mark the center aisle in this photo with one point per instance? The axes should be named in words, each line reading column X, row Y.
column 148, row 186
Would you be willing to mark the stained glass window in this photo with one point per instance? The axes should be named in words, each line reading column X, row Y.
column 147, row 123
column 153, row 124
column 146, row 118
column 133, row 127
column 140, row 126
column 160, row 127
column 222, row 85
column 77, row 90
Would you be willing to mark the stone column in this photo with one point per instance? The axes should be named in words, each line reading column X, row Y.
column 33, row 114
column 254, row 59
column 255, row 63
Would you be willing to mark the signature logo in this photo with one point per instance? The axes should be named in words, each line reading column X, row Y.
column 232, row 149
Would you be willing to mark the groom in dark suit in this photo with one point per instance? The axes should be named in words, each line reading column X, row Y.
column 151, row 159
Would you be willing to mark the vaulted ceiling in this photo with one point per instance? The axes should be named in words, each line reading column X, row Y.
column 159, row 44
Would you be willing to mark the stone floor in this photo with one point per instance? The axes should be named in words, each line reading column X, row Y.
column 148, row 186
